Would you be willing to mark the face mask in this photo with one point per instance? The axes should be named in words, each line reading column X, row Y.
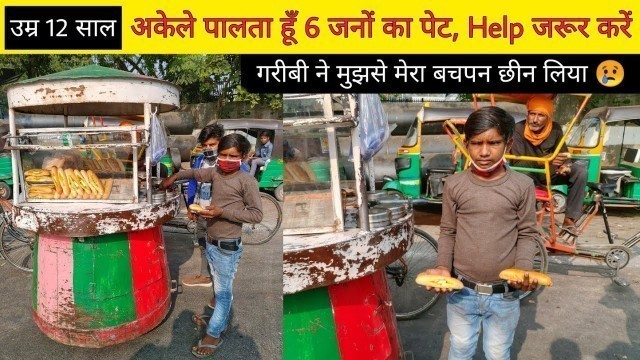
column 229, row 166
column 487, row 172
column 210, row 153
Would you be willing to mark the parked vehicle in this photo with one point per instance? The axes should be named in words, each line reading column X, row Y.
column 269, row 176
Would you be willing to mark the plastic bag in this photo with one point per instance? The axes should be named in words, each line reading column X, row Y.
column 374, row 125
column 158, row 142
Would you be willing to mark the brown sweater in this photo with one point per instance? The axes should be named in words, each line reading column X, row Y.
column 237, row 194
column 487, row 226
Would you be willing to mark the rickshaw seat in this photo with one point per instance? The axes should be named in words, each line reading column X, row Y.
column 603, row 188
column 440, row 162
column 541, row 193
column 613, row 170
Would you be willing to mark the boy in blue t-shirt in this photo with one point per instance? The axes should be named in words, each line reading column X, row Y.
column 263, row 152
column 200, row 193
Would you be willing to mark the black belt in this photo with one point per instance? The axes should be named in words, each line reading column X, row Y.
column 231, row 245
column 486, row 289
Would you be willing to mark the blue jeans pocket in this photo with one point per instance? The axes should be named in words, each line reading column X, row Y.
column 226, row 252
column 456, row 297
column 511, row 296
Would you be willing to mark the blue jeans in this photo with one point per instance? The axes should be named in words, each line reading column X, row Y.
column 498, row 315
column 223, row 264
column 255, row 163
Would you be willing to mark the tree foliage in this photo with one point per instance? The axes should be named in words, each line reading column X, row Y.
column 202, row 78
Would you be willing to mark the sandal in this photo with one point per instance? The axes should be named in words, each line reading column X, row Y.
column 212, row 307
column 571, row 230
column 194, row 350
column 201, row 320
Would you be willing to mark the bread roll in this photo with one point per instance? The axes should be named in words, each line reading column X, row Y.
column 518, row 275
column 89, row 182
column 45, row 189
column 37, row 172
column 438, row 281
column 38, row 179
column 294, row 172
column 83, row 184
column 96, row 181
column 114, row 165
column 56, row 179
column 121, row 165
column 39, row 195
column 195, row 208
column 64, row 183
column 108, row 184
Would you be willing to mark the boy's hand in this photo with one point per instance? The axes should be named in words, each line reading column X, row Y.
column 442, row 271
column 191, row 215
column 168, row 182
column 211, row 212
column 524, row 285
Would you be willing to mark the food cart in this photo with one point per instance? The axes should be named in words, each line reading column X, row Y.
column 337, row 303
column 100, row 268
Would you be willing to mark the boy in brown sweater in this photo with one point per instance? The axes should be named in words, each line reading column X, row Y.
column 488, row 225
column 235, row 200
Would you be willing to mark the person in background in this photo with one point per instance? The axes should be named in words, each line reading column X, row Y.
column 200, row 193
column 539, row 136
column 263, row 153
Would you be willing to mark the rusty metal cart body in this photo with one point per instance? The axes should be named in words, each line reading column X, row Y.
column 100, row 272
column 337, row 303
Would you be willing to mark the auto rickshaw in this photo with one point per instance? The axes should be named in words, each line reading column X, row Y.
column 269, row 176
column 608, row 143
column 6, row 176
column 423, row 181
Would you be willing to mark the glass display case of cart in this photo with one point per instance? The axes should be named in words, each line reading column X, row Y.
column 74, row 164
column 58, row 160
column 320, row 188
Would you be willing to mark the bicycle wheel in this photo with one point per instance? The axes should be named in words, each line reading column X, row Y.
column 410, row 299
column 540, row 264
column 256, row 234
column 16, row 246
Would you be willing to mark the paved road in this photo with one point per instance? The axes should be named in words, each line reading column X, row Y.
column 256, row 326
column 583, row 316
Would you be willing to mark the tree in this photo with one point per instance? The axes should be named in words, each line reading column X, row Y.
column 203, row 78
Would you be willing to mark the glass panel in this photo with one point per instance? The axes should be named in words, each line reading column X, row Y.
column 90, row 137
column 585, row 134
column 112, row 169
column 630, row 142
column 412, row 135
column 307, row 181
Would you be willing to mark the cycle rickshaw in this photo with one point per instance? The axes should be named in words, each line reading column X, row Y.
column 559, row 241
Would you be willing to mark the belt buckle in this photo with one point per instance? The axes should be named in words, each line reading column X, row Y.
column 484, row 289
column 229, row 245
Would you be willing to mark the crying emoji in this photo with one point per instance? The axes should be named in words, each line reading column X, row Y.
column 610, row 73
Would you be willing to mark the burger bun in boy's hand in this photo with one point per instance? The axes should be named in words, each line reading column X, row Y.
column 439, row 281
column 518, row 275
column 196, row 208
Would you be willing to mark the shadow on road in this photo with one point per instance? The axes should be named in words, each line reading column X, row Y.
column 565, row 349
column 625, row 299
column 185, row 335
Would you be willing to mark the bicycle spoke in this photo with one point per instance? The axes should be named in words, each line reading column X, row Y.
column 16, row 246
column 409, row 298
column 254, row 234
